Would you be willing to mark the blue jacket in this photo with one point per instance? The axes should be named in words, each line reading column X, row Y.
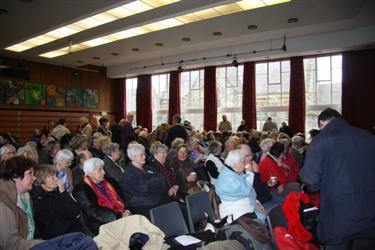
column 231, row 186
column 340, row 162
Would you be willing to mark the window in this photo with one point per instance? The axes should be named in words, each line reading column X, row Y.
column 229, row 94
column 131, row 96
column 192, row 97
column 272, row 81
column 323, row 86
column 160, row 99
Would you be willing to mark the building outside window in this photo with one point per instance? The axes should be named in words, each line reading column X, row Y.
column 192, row 83
column 272, row 91
column 131, row 97
column 229, row 94
column 323, row 86
column 160, row 99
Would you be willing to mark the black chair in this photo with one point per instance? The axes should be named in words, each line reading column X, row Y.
column 276, row 218
column 169, row 219
column 198, row 208
column 291, row 187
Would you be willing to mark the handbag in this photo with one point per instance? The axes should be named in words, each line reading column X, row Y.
column 255, row 228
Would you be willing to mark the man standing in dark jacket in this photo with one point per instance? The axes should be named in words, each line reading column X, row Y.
column 340, row 163
column 177, row 130
column 127, row 132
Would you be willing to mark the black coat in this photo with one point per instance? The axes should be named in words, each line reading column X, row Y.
column 340, row 162
column 55, row 213
column 93, row 214
column 113, row 171
column 175, row 131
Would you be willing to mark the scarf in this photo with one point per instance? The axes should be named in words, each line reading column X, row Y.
column 63, row 176
column 26, row 207
column 109, row 198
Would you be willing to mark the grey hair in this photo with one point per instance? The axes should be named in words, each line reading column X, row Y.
column 134, row 149
column 7, row 147
column 63, row 154
column 91, row 164
column 234, row 157
column 157, row 148
column 215, row 145
column 110, row 148
column 297, row 141
column 266, row 144
column 192, row 141
column 84, row 119
column 177, row 142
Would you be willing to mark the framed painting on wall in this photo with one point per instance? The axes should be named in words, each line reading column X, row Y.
column 90, row 98
column 15, row 93
column 35, row 94
column 73, row 97
column 55, row 96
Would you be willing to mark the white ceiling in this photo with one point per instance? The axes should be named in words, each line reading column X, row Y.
column 324, row 26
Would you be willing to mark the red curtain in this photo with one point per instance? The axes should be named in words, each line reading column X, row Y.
column 210, row 99
column 248, row 97
column 358, row 88
column 297, row 107
column 120, row 98
column 144, row 106
column 174, row 95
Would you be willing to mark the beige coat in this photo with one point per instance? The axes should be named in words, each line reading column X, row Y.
column 13, row 229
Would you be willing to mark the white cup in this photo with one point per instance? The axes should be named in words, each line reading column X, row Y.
column 273, row 180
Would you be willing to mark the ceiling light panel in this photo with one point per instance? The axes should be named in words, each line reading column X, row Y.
column 111, row 15
column 178, row 20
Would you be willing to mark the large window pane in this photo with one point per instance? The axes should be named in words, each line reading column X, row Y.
column 192, row 97
column 160, row 99
column 229, row 94
column 131, row 95
column 323, row 86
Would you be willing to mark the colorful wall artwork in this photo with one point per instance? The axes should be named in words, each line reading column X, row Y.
column 73, row 97
column 55, row 96
column 14, row 93
column 90, row 98
column 35, row 94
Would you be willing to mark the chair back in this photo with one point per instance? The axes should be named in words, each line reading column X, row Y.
column 198, row 205
column 291, row 187
column 169, row 219
column 276, row 218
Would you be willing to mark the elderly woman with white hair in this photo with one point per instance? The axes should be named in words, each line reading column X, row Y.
column 98, row 198
column 234, row 187
column 62, row 162
column 7, row 151
column 142, row 187
column 265, row 146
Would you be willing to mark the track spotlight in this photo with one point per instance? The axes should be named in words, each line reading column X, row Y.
column 235, row 62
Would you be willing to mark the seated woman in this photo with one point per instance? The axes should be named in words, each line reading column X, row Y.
column 17, row 224
column 98, row 198
column 235, row 190
column 289, row 163
column 186, row 176
column 214, row 162
column 62, row 162
column 55, row 211
column 142, row 187
column 112, row 166
column 196, row 156
column 157, row 161
column 271, row 168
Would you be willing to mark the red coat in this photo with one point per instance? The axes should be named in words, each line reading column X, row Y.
column 294, row 169
column 268, row 167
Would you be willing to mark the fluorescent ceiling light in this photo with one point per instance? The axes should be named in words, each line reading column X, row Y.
column 111, row 15
column 176, row 21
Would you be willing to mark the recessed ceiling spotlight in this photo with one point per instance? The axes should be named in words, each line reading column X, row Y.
column 159, row 44
column 79, row 61
column 186, row 39
column 4, row 12
column 115, row 54
column 217, row 33
column 293, row 20
column 96, row 58
column 252, row 27
column 135, row 49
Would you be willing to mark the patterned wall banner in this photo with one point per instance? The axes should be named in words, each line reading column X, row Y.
column 90, row 98
column 55, row 95
column 3, row 86
column 73, row 97
column 14, row 93
column 35, row 94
